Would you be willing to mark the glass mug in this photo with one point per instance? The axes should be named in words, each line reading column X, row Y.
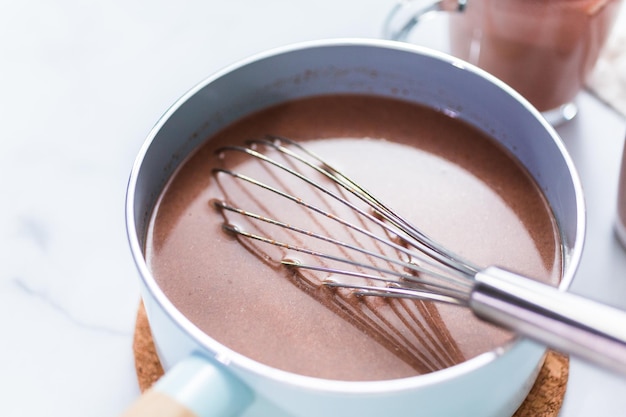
column 545, row 49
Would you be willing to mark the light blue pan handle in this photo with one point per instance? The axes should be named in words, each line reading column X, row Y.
column 195, row 387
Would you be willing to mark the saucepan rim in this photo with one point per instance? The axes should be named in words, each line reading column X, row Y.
column 222, row 353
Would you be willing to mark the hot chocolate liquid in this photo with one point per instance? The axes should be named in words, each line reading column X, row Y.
column 545, row 49
column 451, row 180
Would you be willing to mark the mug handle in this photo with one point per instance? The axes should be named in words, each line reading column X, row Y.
column 407, row 13
column 195, row 387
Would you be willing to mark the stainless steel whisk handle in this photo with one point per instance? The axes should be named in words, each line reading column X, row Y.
column 560, row 320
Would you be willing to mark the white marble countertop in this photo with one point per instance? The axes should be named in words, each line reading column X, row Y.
column 81, row 84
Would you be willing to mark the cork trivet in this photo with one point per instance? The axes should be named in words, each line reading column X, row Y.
column 544, row 400
column 147, row 364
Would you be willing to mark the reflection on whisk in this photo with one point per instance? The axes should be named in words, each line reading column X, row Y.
column 342, row 249
column 343, row 245
column 346, row 204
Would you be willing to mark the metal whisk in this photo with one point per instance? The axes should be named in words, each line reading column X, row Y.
column 357, row 243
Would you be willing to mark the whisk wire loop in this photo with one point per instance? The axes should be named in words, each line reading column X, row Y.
column 411, row 234
column 439, row 282
column 394, row 223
